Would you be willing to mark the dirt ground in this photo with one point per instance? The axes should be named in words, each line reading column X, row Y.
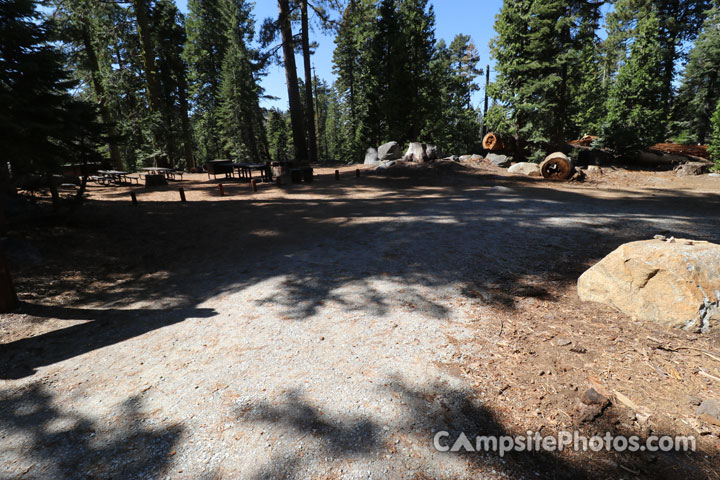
column 329, row 330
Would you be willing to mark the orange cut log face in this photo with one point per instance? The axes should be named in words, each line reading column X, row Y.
column 492, row 141
column 556, row 166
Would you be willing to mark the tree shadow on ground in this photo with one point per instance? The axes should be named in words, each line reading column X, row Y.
column 371, row 245
column 316, row 242
column 54, row 442
column 408, row 443
column 104, row 327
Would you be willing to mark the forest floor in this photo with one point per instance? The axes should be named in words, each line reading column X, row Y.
column 330, row 330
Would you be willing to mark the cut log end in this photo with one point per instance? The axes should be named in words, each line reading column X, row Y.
column 556, row 166
column 492, row 141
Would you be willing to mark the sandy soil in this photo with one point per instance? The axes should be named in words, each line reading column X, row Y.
column 330, row 330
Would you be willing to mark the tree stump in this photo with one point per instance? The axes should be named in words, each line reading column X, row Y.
column 557, row 166
column 307, row 173
column 155, row 180
column 296, row 175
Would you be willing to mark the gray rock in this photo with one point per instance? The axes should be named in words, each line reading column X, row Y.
column 592, row 397
column 432, row 152
column 525, row 168
column 464, row 158
column 498, row 160
column 416, row 153
column 691, row 168
column 389, row 151
column 384, row 165
column 476, row 158
column 709, row 407
column 371, row 156
column 454, row 158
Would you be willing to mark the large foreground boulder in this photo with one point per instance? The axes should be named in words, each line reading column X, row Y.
column 675, row 283
column 389, row 151
column 525, row 168
column 371, row 156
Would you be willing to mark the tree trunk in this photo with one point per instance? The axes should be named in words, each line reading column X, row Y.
column 485, row 107
column 100, row 94
column 184, row 118
column 54, row 194
column 296, row 111
column 309, row 107
column 148, row 54
column 708, row 110
column 8, row 297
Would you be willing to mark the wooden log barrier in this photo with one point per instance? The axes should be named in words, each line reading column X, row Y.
column 493, row 142
column 557, row 166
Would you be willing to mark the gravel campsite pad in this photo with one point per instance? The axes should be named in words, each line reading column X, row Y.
column 330, row 330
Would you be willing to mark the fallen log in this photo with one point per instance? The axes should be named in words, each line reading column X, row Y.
column 680, row 149
column 585, row 141
column 660, row 158
column 557, row 166
column 492, row 141
column 591, row 155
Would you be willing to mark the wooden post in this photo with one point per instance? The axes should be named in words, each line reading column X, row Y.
column 8, row 297
column 182, row 194
column 221, row 189
column 253, row 184
column 337, row 174
column 133, row 197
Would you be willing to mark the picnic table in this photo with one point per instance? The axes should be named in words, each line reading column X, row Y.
column 245, row 170
column 219, row 167
column 166, row 172
column 114, row 176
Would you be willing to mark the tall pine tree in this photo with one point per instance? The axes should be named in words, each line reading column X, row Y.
column 635, row 114
column 679, row 22
column 455, row 124
column 204, row 53
column 241, row 119
column 714, row 147
column 699, row 90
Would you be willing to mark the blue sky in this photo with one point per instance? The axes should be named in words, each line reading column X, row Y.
column 469, row 17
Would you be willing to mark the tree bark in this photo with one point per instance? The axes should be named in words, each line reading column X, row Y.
column 8, row 297
column 485, row 107
column 309, row 107
column 115, row 158
column 708, row 110
column 184, row 118
column 296, row 111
